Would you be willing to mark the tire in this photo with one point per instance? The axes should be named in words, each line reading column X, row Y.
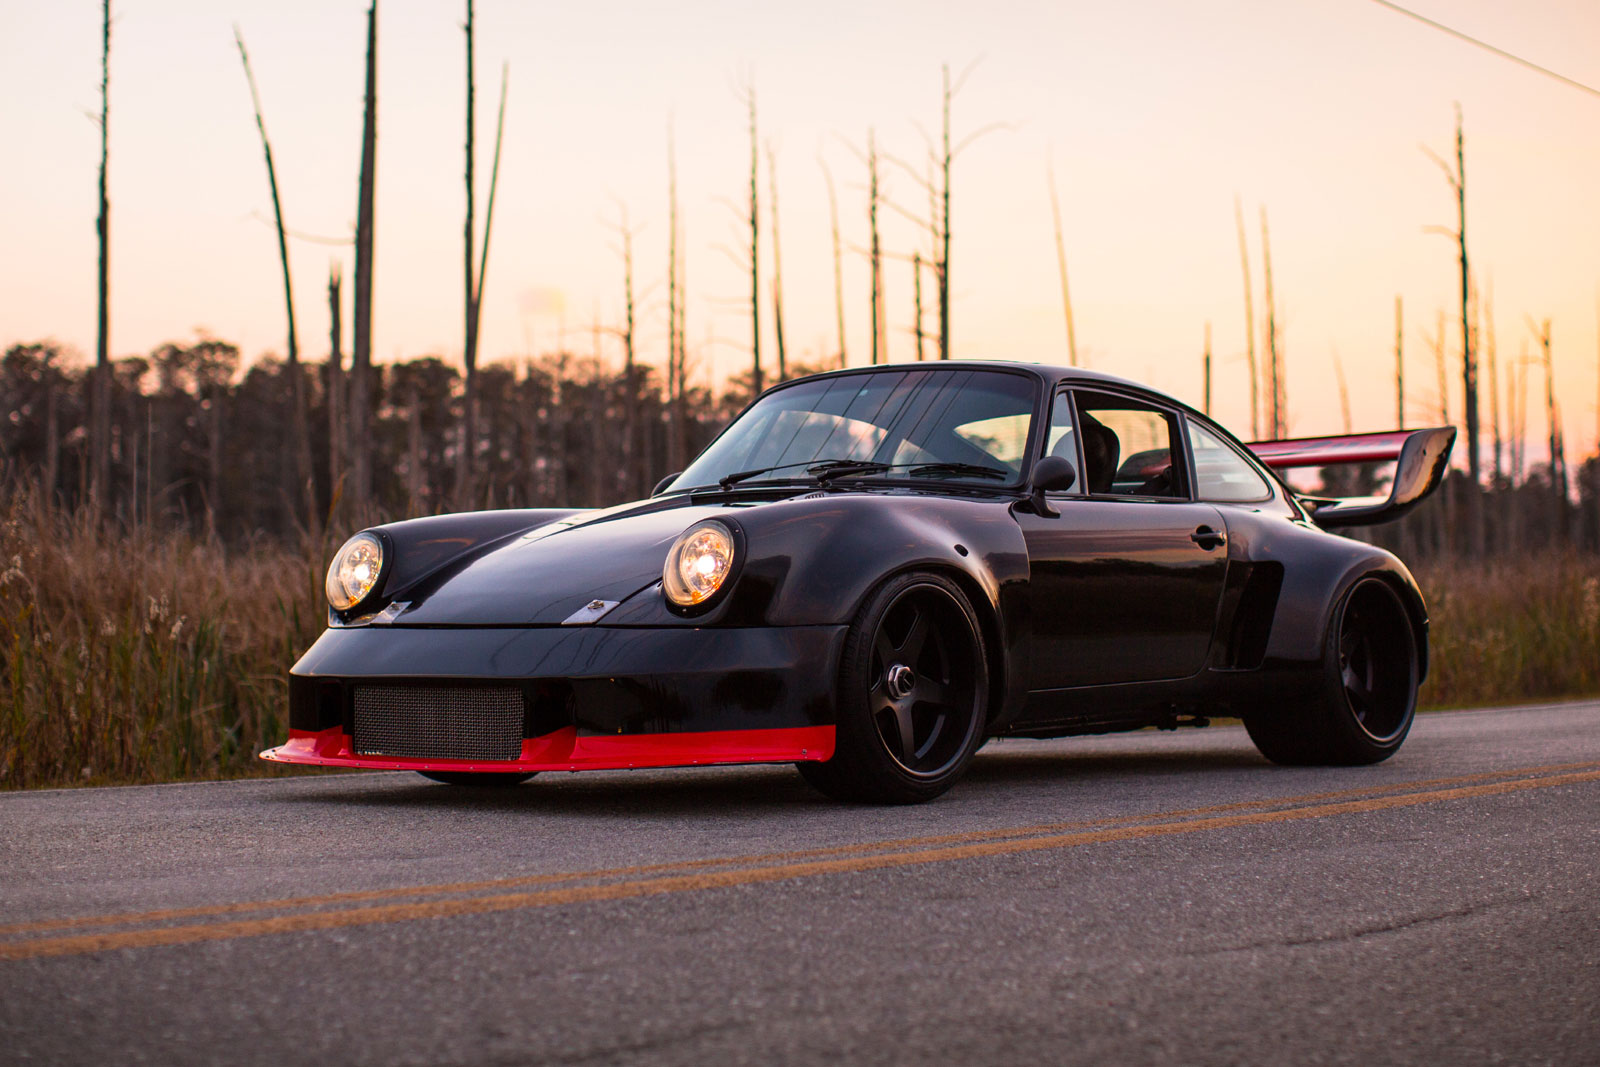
column 912, row 695
column 1370, row 668
column 479, row 779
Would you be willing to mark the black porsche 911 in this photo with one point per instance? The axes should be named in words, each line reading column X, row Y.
column 871, row 572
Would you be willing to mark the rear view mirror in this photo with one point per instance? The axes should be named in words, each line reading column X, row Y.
column 1052, row 474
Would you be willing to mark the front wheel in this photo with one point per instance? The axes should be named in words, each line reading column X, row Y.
column 913, row 695
column 490, row 779
column 1370, row 697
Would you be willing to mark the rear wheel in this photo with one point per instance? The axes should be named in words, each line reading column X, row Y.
column 913, row 695
column 1371, row 672
column 490, row 779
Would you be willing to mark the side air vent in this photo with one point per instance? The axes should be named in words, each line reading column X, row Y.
column 1251, row 624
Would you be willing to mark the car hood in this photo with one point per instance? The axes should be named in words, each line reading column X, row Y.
column 542, row 577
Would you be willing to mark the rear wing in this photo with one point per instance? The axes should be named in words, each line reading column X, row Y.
column 1421, row 459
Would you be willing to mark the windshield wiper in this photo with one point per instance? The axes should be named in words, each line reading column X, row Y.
column 851, row 467
column 818, row 468
column 975, row 469
column 917, row 470
column 826, row 470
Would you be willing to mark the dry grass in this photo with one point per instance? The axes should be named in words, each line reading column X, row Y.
column 163, row 657
column 1511, row 631
column 143, row 658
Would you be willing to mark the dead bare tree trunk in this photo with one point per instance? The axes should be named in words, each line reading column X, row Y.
column 467, row 483
column 1518, row 385
column 597, row 495
column 1280, row 428
column 1558, row 472
column 755, row 260
column 1061, row 263
column 1399, row 364
column 299, row 427
column 1443, row 373
column 879, row 353
column 1498, row 471
column 1249, row 325
column 1469, row 358
column 675, row 434
column 100, row 401
column 414, row 483
column 360, row 428
column 681, row 388
column 916, row 300
column 1457, row 179
column 336, row 428
column 630, row 400
column 1441, row 369
column 466, row 455
column 777, row 264
column 943, row 266
column 838, row 260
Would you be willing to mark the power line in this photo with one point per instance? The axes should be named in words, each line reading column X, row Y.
column 1486, row 46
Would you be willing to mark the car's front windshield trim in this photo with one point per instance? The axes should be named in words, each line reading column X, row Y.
column 900, row 411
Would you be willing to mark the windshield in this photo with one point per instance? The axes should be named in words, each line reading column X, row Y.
column 924, row 424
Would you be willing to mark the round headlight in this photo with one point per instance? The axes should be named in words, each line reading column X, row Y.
column 699, row 563
column 354, row 571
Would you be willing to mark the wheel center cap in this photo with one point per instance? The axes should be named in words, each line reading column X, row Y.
column 901, row 681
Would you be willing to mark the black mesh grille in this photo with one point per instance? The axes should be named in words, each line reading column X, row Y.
column 476, row 722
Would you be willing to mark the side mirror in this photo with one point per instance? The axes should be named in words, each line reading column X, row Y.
column 1052, row 474
column 663, row 483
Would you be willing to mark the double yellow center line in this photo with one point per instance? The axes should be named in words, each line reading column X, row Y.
column 220, row 922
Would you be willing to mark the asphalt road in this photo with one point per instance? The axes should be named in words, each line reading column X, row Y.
column 1143, row 898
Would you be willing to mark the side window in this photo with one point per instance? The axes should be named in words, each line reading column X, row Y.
column 1062, row 440
column 1221, row 473
column 1127, row 448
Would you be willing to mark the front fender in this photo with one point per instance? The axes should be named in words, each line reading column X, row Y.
column 814, row 560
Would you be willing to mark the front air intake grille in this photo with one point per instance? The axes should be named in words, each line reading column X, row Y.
column 438, row 722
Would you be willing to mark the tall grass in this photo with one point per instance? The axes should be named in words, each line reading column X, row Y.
column 154, row 657
column 1513, row 630
column 143, row 657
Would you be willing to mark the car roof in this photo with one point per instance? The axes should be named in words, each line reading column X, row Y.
column 1051, row 373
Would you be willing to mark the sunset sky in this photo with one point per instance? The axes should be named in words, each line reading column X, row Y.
column 1156, row 113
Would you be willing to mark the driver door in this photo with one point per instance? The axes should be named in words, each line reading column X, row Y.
column 1125, row 582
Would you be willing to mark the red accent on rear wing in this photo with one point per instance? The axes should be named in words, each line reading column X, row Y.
column 1326, row 451
column 1421, row 459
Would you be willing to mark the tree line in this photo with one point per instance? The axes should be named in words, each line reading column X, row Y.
column 198, row 443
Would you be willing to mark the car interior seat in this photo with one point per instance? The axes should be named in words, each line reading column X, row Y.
column 1101, row 450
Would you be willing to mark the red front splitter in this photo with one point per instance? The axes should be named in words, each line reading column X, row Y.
column 565, row 750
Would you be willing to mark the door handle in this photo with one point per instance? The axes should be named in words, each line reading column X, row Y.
column 1207, row 538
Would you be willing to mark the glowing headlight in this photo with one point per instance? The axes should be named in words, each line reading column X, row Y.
column 698, row 564
column 354, row 571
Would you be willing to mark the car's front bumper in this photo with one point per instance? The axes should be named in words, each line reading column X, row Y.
column 595, row 697
column 567, row 750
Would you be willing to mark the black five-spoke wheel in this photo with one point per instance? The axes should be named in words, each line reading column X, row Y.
column 912, row 695
column 1372, row 692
